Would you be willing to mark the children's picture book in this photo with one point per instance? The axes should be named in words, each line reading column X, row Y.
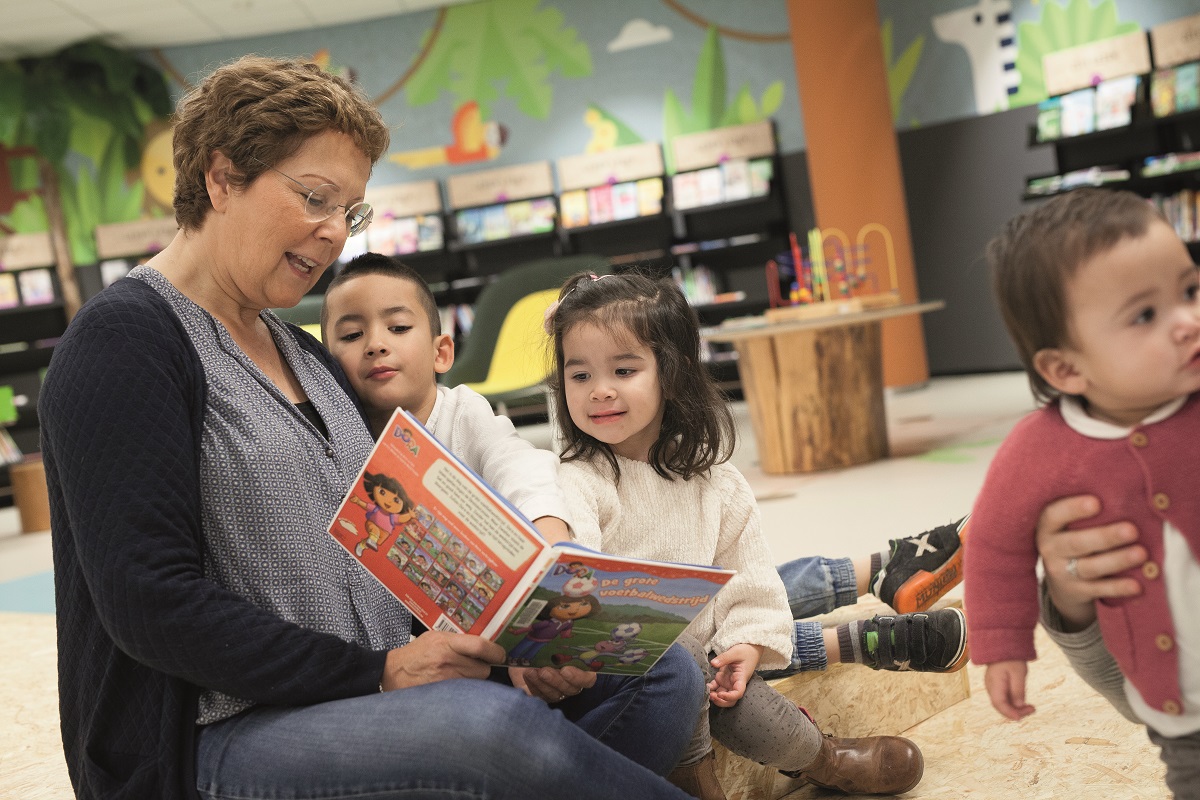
column 762, row 171
column 496, row 224
column 37, row 286
column 711, row 186
column 542, row 214
column 624, row 200
column 1114, row 102
column 736, row 176
column 1162, row 92
column 470, row 225
column 574, row 208
column 1079, row 112
column 404, row 230
column 381, row 235
column 1187, row 87
column 9, row 298
column 600, row 204
column 520, row 217
column 429, row 232
column 685, row 190
column 113, row 269
column 1049, row 120
column 462, row 559
column 649, row 192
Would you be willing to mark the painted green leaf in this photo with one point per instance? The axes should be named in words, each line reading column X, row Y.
column 772, row 99
column 12, row 102
column 675, row 122
column 509, row 43
column 1059, row 28
column 708, row 86
column 743, row 109
column 900, row 75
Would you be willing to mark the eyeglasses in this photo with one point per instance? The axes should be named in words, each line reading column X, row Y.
column 321, row 204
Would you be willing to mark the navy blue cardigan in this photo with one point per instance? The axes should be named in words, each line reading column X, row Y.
column 139, row 627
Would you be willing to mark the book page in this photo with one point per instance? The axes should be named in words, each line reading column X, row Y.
column 607, row 614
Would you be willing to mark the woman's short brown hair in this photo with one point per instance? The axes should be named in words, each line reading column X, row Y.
column 259, row 111
column 1036, row 253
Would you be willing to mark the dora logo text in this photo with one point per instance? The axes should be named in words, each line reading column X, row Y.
column 405, row 435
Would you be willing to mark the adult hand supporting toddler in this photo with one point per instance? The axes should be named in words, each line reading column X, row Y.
column 1098, row 555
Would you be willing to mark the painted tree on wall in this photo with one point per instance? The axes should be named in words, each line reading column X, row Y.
column 511, row 43
column 84, row 110
column 899, row 70
column 1061, row 27
column 709, row 107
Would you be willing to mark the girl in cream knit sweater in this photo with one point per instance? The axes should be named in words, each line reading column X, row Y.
column 646, row 473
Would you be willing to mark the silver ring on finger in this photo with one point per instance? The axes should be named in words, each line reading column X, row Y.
column 1073, row 568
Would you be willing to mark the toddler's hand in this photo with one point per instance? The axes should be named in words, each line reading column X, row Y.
column 1005, row 683
column 734, row 668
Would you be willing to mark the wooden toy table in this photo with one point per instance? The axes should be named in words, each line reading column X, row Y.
column 814, row 387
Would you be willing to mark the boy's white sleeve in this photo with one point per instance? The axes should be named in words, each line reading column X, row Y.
column 489, row 444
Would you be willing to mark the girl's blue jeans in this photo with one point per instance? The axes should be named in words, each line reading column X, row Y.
column 462, row 739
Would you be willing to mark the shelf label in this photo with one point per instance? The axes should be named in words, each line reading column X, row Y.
column 1176, row 42
column 517, row 182
column 22, row 250
column 1079, row 67
column 709, row 148
column 136, row 238
column 405, row 199
column 619, row 165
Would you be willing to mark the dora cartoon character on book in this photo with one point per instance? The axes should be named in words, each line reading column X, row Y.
column 389, row 509
column 553, row 621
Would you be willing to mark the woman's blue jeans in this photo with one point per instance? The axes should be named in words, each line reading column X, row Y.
column 462, row 739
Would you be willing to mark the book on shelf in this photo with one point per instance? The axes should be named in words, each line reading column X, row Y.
column 1153, row 166
column 735, row 174
column 462, row 559
column 543, row 212
column 624, row 200
column 762, row 172
column 649, row 196
column 430, row 235
column 1079, row 112
column 355, row 246
column 1187, row 87
column 9, row 297
column 496, row 224
column 574, row 208
column 600, row 204
column 37, row 286
column 470, row 225
column 1162, row 92
column 381, row 236
column 685, row 190
column 711, row 186
column 520, row 217
column 113, row 269
column 1114, row 102
column 404, row 231
column 1049, row 120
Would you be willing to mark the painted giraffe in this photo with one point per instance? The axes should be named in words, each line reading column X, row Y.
column 985, row 30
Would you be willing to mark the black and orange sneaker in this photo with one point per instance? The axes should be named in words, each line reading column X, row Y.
column 925, row 642
column 920, row 569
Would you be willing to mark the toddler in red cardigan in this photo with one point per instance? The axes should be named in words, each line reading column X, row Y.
column 1100, row 296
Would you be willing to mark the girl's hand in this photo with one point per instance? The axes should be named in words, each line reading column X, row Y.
column 1005, row 683
column 1099, row 553
column 550, row 684
column 437, row 656
column 734, row 668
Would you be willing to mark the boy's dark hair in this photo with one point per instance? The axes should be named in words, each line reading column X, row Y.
column 697, row 427
column 379, row 264
column 1037, row 252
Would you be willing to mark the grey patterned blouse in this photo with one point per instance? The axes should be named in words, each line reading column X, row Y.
column 270, row 483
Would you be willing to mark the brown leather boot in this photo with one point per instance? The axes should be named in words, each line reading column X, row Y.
column 699, row 779
column 872, row 765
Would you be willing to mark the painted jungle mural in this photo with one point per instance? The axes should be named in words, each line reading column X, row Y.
column 500, row 82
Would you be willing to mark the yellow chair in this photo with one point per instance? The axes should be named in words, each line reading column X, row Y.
column 506, row 356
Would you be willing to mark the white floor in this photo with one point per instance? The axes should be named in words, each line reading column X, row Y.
column 942, row 435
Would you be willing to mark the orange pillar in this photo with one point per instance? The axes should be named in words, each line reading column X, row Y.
column 853, row 157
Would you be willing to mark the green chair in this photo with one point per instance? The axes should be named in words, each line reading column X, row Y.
column 506, row 356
